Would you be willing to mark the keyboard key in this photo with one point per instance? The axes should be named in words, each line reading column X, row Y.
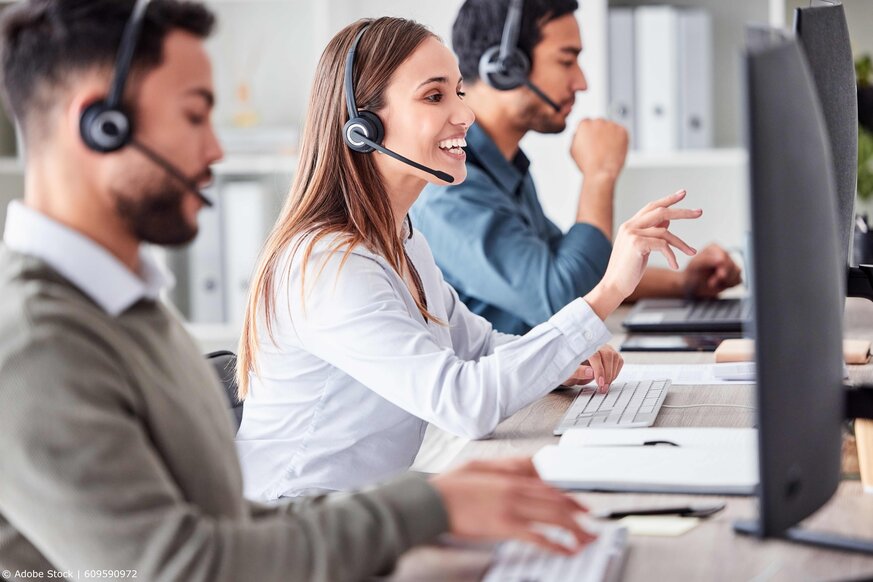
column 594, row 403
column 627, row 403
column 610, row 399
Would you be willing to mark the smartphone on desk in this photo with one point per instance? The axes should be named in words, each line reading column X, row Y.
column 696, row 342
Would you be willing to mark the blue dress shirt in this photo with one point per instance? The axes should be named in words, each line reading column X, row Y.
column 495, row 246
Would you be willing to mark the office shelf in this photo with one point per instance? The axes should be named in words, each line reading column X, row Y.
column 254, row 164
column 708, row 158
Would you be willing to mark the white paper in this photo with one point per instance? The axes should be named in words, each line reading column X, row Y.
column 694, row 374
column 679, row 374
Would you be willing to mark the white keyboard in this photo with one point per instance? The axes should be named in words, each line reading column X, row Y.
column 600, row 561
column 627, row 404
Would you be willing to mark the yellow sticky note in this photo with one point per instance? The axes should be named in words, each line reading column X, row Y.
column 659, row 525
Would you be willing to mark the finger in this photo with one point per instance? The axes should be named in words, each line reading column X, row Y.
column 656, row 216
column 534, row 512
column 671, row 256
column 671, row 238
column 737, row 278
column 663, row 202
column 715, row 282
column 582, row 375
column 540, row 512
column 596, row 361
column 647, row 245
column 608, row 370
column 542, row 541
column 735, row 274
column 617, row 363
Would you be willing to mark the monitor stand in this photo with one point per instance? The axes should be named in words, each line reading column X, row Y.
column 821, row 539
column 858, row 404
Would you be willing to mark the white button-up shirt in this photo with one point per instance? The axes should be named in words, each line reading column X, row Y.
column 344, row 395
column 86, row 264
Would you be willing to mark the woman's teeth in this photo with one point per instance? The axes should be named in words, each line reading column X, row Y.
column 453, row 145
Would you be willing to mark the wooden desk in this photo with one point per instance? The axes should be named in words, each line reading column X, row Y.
column 711, row 551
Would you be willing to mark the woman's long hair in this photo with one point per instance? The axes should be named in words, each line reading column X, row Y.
column 335, row 190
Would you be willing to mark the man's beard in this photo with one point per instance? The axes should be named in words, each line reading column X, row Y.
column 541, row 120
column 156, row 214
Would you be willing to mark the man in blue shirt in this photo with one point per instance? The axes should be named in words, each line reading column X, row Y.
column 489, row 235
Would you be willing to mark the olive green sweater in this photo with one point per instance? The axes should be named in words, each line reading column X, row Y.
column 116, row 452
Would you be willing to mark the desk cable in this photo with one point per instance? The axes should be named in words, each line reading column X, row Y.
column 707, row 405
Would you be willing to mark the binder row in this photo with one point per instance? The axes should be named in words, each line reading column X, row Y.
column 214, row 273
column 660, row 76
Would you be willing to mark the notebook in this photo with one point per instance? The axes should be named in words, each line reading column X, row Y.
column 711, row 461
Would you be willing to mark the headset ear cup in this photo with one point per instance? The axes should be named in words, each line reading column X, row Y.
column 103, row 128
column 376, row 123
column 367, row 123
column 511, row 75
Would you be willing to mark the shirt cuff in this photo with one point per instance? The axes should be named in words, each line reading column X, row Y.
column 418, row 507
column 580, row 325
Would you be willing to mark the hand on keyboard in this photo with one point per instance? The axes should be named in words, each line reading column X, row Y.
column 505, row 498
column 710, row 272
column 628, row 404
column 602, row 367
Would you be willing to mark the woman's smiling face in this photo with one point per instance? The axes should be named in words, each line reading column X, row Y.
column 425, row 116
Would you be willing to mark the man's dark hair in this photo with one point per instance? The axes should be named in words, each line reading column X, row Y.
column 479, row 26
column 44, row 42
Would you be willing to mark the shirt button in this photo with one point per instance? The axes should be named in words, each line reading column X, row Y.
column 587, row 335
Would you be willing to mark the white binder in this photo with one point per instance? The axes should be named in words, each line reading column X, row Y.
column 657, row 78
column 245, row 212
column 622, row 100
column 695, row 79
column 206, row 279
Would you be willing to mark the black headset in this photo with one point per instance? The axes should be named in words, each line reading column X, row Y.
column 505, row 67
column 364, row 131
column 105, row 126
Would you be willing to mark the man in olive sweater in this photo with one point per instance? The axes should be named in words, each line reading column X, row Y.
column 118, row 453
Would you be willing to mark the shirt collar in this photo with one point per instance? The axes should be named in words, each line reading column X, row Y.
column 507, row 174
column 83, row 262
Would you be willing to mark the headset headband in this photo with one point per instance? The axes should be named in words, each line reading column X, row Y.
column 350, row 87
column 509, row 41
column 125, row 53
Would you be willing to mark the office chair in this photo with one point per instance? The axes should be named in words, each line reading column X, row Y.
column 224, row 363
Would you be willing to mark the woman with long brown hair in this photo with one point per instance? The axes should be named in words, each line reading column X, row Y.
column 352, row 341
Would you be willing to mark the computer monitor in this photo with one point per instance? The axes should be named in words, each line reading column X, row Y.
column 797, row 293
column 824, row 37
